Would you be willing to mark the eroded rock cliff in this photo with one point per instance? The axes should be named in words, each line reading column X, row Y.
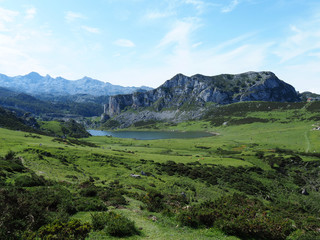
column 184, row 91
column 191, row 94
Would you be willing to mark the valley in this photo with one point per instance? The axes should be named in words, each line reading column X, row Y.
column 257, row 178
column 159, row 120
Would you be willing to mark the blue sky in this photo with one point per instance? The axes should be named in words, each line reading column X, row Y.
column 145, row 42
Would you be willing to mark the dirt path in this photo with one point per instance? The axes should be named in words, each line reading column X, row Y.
column 307, row 141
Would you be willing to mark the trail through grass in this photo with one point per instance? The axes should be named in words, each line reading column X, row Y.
column 307, row 141
column 262, row 160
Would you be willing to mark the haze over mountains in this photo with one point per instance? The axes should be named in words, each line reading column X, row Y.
column 35, row 84
column 179, row 98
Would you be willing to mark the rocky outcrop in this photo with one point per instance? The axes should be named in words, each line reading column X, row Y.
column 183, row 93
column 37, row 85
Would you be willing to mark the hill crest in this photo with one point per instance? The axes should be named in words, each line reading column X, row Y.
column 35, row 84
column 197, row 90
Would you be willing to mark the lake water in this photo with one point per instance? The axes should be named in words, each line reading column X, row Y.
column 150, row 135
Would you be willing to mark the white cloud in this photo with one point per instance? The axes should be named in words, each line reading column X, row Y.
column 6, row 16
column 234, row 41
column 22, row 48
column 233, row 4
column 201, row 5
column 301, row 41
column 299, row 54
column 180, row 33
column 178, row 52
column 30, row 13
column 157, row 14
column 196, row 44
column 190, row 61
column 304, row 77
column 198, row 4
column 91, row 29
column 72, row 16
column 124, row 43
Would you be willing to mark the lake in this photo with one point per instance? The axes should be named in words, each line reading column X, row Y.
column 150, row 135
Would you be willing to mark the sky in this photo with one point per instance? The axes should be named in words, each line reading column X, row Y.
column 146, row 42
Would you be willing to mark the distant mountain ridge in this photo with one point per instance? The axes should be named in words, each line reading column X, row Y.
column 79, row 105
column 35, row 84
column 183, row 91
column 183, row 97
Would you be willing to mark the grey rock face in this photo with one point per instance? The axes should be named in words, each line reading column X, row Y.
column 35, row 84
column 182, row 92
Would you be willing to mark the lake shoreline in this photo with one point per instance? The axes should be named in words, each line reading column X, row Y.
column 153, row 135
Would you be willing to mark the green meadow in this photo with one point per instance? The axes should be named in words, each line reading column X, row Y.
column 245, row 182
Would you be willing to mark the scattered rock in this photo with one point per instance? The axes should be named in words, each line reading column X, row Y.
column 304, row 192
column 153, row 218
column 135, row 175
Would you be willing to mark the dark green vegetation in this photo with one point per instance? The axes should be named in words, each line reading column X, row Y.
column 48, row 109
column 257, row 179
column 27, row 123
column 250, row 112
column 9, row 120
column 63, row 128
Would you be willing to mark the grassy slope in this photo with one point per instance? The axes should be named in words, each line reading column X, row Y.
column 126, row 155
column 52, row 168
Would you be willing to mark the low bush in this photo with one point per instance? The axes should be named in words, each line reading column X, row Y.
column 154, row 201
column 114, row 224
column 60, row 230
column 27, row 210
column 30, row 181
column 89, row 192
column 86, row 204
column 113, row 197
column 119, row 226
column 99, row 221
column 237, row 215
column 303, row 235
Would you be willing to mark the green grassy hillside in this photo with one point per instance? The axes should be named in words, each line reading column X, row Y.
column 254, row 180
column 62, row 128
column 10, row 121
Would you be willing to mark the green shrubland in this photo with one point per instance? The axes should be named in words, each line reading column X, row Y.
column 256, row 179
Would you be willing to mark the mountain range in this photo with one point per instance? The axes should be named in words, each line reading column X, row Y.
column 37, row 85
column 183, row 97
column 178, row 99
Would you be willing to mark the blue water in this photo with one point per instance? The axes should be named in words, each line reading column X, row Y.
column 149, row 135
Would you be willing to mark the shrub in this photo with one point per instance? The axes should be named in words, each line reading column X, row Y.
column 10, row 155
column 303, row 235
column 90, row 204
column 117, row 200
column 23, row 210
column 120, row 226
column 113, row 197
column 154, row 201
column 111, row 124
column 99, row 221
column 59, row 230
column 240, row 216
column 189, row 219
column 30, row 181
column 89, row 192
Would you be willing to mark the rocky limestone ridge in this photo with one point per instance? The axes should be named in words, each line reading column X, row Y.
column 183, row 94
column 37, row 85
column 127, row 118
